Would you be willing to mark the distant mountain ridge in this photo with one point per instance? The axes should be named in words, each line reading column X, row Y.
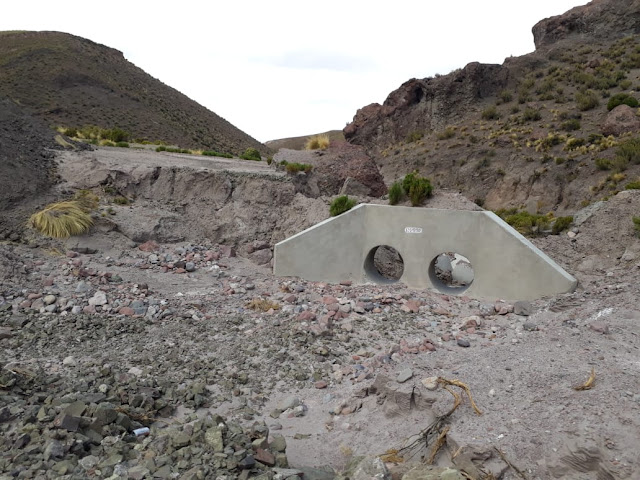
column 71, row 81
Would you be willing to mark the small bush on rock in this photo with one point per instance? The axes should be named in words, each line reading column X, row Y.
column 297, row 167
column 635, row 185
column 341, row 204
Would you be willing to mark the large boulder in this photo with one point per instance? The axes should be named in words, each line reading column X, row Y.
column 622, row 119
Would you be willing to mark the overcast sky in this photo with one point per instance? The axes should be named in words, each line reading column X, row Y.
column 284, row 68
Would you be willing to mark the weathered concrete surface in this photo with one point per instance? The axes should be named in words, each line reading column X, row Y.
column 505, row 264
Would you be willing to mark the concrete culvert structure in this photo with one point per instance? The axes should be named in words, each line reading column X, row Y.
column 485, row 257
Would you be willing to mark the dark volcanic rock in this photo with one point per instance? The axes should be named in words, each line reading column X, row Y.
column 598, row 19
column 428, row 104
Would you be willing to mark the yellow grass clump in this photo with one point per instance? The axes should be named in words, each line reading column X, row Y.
column 317, row 142
column 62, row 219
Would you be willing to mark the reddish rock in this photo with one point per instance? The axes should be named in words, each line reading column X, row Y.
column 149, row 246
column 128, row 311
column 320, row 384
column 440, row 311
column 71, row 254
column 89, row 309
column 265, row 457
column 328, row 300
column 48, row 282
column 346, row 283
column 180, row 270
column 227, row 251
column 291, row 298
column 33, row 296
column 306, row 316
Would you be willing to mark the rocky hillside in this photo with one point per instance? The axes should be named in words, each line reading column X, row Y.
column 538, row 132
column 74, row 82
column 298, row 143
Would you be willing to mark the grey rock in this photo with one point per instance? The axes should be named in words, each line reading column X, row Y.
column 530, row 326
column 278, row 443
column 369, row 468
column 289, row 402
column 83, row 287
column 54, row 449
column 522, row 308
column 49, row 299
column 190, row 266
column 405, row 375
column 463, row 342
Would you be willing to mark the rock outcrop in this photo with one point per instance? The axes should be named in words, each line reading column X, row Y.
column 597, row 19
column 427, row 104
column 622, row 119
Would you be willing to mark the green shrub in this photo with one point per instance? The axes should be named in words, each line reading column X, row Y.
column 531, row 114
column 524, row 222
column 621, row 99
column 395, row 193
column 297, row 167
column 571, row 125
column 629, row 151
column 70, row 132
column 122, row 144
column 447, row 133
column 161, row 148
column 587, row 100
column 115, row 135
column 414, row 136
column 561, row 224
column 341, row 204
column 603, row 164
column 505, row 96
column 636, row 225
column 121, row 200
column 490, row 113
column 269, row 160
column 417, row 188
column 574, row 143
column 251, row 154
column 635, row 185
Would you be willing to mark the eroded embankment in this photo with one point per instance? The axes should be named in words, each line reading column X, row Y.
column 220, row 202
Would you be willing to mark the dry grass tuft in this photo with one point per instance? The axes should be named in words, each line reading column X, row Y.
column 62, row 219
column 318, row 142
column 262, row 305
column 588, row 385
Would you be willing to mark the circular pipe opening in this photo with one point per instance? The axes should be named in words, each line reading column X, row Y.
column 451, row 272
column 384, row 265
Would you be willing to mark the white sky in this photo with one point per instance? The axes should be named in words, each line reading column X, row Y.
column 284, row 68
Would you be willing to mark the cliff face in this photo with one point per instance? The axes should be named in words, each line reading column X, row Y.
column 427, row 104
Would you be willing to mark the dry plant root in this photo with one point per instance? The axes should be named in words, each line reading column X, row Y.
column 442, row 439
column 511, row 465
column 458, row 383
column 391, row 456
column 588, row 385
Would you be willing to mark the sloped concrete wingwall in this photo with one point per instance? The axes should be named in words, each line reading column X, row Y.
column 505, row 264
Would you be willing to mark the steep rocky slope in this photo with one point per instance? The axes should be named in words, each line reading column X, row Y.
column 535, row 132
column 74, row 82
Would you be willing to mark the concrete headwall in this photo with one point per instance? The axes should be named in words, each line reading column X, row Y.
column 505, row 264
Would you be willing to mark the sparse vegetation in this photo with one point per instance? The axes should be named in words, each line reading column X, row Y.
column 341, row 204
column 262, row 305
column 213, row 153
column 628, row 152
column 524, row 222
column 560, row 224
column 635, row 185
column 447, row 133
column 414, row 136
column 122, row 144
column 490, row 113
column 297, row 167
column 531, row 114
column 571, row 125
column 318, row 142
column 121, row 200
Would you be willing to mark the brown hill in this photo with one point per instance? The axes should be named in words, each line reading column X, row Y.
column 532, row 132
column 74, row 82
column 298, row 143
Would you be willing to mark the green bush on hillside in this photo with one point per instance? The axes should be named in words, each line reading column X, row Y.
column 395, row 193
column 341, row 204
column 251, row 154
column 587, row 100
column 621, row 99
column 629, row 152
column 561, row 224
column 297, row 167
column 417, row 188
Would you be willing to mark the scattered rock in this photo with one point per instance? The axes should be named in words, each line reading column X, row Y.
column 522, row 308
